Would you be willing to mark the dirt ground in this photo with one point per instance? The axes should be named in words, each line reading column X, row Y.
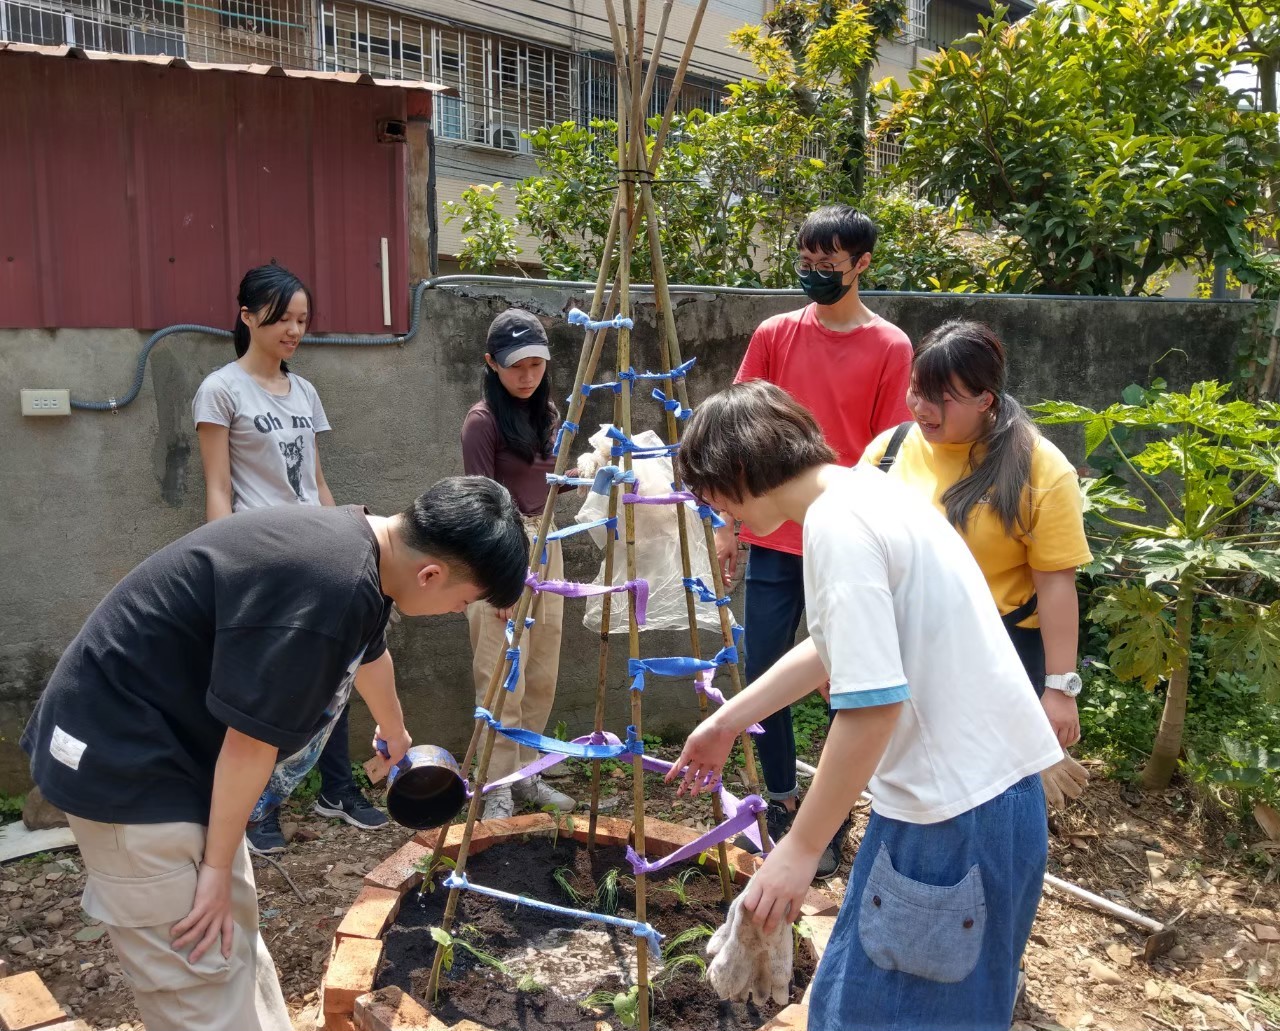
column 1161, row 854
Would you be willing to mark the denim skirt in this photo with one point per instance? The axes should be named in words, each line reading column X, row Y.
column 935, row 920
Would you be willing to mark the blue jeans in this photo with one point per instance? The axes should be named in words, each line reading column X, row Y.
column 334, row 763
column 935, row 920
column 773, row 606
column 329, row 750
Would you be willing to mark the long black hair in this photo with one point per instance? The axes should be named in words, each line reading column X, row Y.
column 525, row 426
column 269, row 289
column 970, row 353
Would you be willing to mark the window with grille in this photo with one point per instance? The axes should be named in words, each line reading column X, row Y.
column 260, row 17
column 915, row 25
column 120, row 26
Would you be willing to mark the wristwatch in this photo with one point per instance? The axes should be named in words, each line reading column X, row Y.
column 1068, row 683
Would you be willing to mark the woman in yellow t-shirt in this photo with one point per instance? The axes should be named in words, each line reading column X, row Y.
column 1011, row 494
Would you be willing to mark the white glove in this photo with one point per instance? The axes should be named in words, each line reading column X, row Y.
column 746, row 961
column 1063, row 781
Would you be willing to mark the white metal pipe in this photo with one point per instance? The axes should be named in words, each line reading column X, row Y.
column 386, row 284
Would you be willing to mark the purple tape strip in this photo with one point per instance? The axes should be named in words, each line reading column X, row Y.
column 703, row 686
column 570, row 589
column 743, row 817
column 678, row 497
column 728, row 802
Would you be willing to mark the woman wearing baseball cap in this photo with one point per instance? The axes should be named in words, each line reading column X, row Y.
column 508, row 437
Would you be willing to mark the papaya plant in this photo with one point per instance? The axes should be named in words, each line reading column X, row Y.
column 1182, row 526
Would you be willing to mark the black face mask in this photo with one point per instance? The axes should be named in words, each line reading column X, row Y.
column 824, row 289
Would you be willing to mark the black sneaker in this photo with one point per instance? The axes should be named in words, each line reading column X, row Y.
column 832, row 855
column 265, row 837
column 353, row 807
column 778, row 818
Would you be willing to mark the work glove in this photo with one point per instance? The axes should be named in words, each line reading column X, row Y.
column 1063, row 781
column 746, row 961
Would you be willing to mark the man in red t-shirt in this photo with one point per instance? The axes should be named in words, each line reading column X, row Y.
column 851, row 369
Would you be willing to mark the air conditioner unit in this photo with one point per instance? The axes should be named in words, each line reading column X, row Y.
column 504, row 138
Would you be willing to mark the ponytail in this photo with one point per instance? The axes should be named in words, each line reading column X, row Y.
column 971, row 354
column 1002, row 475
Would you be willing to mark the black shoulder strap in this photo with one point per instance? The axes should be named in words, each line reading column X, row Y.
column 895, row 442
column 1023, row 611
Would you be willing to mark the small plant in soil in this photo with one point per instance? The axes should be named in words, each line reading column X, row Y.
column 606, row 900
column 427, row 868
column 707, row 855
column 679, row 884
column 529, row 984
column 559, row 820
column 563, row 878
column 451, row 942
column 625, row 1005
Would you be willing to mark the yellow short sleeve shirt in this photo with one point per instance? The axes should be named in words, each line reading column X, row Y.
column 1055, row 539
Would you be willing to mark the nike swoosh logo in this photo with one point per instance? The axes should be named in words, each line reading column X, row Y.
column 521, row 333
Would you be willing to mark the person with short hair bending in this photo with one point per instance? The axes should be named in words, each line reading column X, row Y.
column 931, row 714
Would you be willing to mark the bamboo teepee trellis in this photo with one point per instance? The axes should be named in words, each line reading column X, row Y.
column 634, row 205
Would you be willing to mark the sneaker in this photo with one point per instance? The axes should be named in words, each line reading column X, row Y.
column 351, row 806
column 499, row 805
column 832, row 855
column 265, row 837
column 538, row 793
column 778, row 818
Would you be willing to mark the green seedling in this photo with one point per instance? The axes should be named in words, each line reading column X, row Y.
column 558, row 820
column 690, row 934
column 606, row 898
column 453, row 942
column 561, row 877
column 529, row 985
column 427, row 868
column 679, row 885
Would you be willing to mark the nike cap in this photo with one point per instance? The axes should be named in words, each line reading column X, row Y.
column 514, row 335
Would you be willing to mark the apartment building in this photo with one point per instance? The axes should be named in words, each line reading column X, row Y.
column 513, row 65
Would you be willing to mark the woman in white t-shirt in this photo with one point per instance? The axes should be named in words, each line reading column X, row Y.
column 258, row 425
column 931, row 712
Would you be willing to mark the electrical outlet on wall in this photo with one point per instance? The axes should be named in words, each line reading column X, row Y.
column 46, row 402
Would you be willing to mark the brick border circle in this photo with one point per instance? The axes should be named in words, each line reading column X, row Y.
column 348, row 1001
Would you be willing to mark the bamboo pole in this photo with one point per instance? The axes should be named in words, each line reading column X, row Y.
column 662, row 296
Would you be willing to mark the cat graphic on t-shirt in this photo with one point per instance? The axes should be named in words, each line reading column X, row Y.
column 293, row 465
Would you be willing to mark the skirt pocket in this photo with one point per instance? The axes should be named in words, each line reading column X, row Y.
column 930, row 931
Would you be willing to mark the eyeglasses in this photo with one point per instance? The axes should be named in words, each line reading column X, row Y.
column 824, row 269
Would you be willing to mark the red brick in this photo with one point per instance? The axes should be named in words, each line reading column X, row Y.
column 26, row 1003
column 67, row 1025
column 819, row 903
column 609, row 830
column 398, row 872
column 352, row 968
column 534, row 823
column 373, row 909
column 481, row 838
column 337, row 1022
column 390, row 1009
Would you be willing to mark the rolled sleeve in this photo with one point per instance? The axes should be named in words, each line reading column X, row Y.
column 866, row 699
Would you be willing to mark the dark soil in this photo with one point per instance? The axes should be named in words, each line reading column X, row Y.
column 472, row 990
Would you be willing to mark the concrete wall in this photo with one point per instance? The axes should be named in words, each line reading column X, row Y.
column 89, row 496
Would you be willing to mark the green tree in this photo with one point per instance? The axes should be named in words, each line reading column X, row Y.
column 1206, row 562
column 822, row 53
column 489, row 239
column 1101, row 137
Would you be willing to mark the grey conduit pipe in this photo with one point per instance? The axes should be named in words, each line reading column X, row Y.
column 115, row 404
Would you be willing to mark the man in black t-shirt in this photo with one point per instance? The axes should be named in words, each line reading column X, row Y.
column 223, row 651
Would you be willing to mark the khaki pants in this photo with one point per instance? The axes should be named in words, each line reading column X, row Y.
column 142, row 880
column 529, row 705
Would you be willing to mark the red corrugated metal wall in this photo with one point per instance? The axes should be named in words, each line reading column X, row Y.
column 135, row 196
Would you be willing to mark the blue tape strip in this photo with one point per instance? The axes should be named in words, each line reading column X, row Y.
column 681, row 666
column 569, row 531
column 671, row 404
column 578, row 317
column 679, row 372
column 540, row 742
column 588, row 388
column 636, row 927
column 707, row 512
column 565, row 427
column 704, row 593
column 625, row 445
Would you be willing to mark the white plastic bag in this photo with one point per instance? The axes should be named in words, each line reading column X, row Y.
column 657, row 543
